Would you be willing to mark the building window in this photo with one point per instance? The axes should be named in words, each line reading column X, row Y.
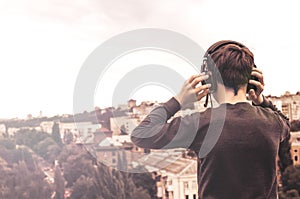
column 186, row 185
column 295, row 150
column 194, row 196
column 296, row 158
column 186, row 196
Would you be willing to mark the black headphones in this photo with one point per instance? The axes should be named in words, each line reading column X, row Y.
column 208, row 66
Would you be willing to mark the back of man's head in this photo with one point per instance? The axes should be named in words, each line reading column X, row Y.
column 234, row 62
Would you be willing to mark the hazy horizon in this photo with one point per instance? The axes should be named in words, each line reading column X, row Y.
column 45, row 43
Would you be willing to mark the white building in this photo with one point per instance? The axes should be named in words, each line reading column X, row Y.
column 295, row 147
column 126, row 123
column 2, row 129
column 177, row 175
column 80, row 130
column 121, row 139
column 12, row 131
column 289, row 104
column 46, row 126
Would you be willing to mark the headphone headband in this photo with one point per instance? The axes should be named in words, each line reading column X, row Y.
column 213, row 48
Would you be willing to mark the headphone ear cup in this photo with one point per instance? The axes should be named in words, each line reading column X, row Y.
column 208, row 68
column 212, row 74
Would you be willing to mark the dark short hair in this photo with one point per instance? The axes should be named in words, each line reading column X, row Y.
column 235, row 64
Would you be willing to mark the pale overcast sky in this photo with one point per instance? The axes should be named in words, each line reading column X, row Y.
column 44, row 43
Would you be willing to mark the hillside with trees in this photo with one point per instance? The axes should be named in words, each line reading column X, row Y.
column 35, row 164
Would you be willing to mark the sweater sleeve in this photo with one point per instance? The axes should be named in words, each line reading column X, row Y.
column 282, row 119
column 155, row 132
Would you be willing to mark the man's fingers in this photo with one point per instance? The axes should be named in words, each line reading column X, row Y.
column 198, row 79
column 258, row 73
column 257, row 70
column 256, row 83
column 201, row 88
column 192, row 78
column 202, row 94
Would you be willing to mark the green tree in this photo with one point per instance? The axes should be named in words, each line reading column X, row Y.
column 295, row 125
column 20, row 176
column 53, row 152
column 122, row 163
column 7, row 143
column 84, row 188
column 48, row 149
column 291, row 178
column 4, row 175
column 56, row 134
column 29, row 137
column 68, row 137
column 90, row 180
column 144, row 180
column 75, row 163
column 59, row 182
column 290, row 194
column 12, row 155
column 285, row 159
column 20, row 183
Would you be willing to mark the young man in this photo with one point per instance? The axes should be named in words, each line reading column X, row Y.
column 237, row 142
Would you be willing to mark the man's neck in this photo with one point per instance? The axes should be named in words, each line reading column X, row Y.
column 227, row 95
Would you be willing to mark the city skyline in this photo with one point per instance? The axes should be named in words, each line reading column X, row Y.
column 44, row 44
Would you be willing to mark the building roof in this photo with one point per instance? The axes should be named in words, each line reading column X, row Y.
column 170, row 162
column 107, row 142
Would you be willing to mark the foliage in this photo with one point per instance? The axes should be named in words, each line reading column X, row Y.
column 84, row 188
column 56, row 134
column 75, row 166
column 285, row 157
column 59, row 184
column 22, row 175
column 7, row 143
column 39, row 142
column 145, row 180
column 19, row 182
column 68, row 137
column 90, row 180
column 29, row 137
column 295, row 125
column 290, row 194
column 291, row 178
column 290, row 175
column 12, row 155
column 48, row 149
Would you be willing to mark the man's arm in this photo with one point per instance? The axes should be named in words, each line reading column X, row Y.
column 282, row 119
column 259, row 100
column 156, row 132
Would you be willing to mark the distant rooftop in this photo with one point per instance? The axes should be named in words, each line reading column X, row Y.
column 169, row 161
